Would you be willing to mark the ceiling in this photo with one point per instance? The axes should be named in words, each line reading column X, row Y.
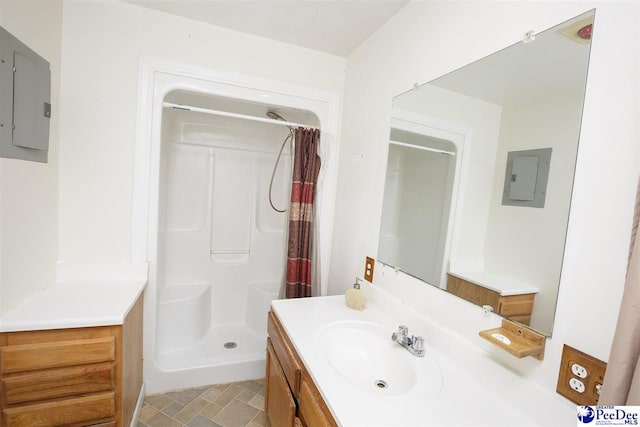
column 552, row 64
column 335, row 27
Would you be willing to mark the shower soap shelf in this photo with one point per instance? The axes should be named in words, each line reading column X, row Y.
column 517, row 339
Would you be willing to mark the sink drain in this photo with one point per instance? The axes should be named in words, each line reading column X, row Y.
column 381, row 384
column 230, row 345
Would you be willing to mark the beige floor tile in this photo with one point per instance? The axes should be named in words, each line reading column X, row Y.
column 146, row 413
column 257, row 402
column 172, row 409
column 227, row 395
column 158, row 401
column 161, row 420
column 191, row 410
column 222, row 387
column 184, row 397
column 211, row 394
column 245, row 396
column 260, row 419
column 236, row 414
column 223, row 405
column 200, row 421
column 254, row 386
column 210, row 410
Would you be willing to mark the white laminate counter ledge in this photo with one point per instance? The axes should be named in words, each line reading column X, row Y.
column 74, row 305
column 504, row 285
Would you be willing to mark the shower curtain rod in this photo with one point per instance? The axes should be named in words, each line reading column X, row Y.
column 235, row 115
column 420, row 147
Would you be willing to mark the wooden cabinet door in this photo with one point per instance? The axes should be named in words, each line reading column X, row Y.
column 312, row 412
column 279, row 403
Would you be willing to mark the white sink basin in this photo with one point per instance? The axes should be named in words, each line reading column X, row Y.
column 363, row 354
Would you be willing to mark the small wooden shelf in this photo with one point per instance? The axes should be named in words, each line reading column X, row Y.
column 524, row 341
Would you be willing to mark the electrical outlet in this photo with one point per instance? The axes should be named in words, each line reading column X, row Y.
column 580, row 377
column 368, row 269
column 577, row 385
column 579, row 371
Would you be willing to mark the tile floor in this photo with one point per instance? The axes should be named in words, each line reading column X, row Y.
column 226, row 405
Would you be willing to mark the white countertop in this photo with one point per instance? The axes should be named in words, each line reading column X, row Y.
column 504, row 285
column 462, row 399
column 74, row 305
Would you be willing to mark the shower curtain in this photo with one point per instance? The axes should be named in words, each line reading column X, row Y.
column 622, row 380
column 306, row 166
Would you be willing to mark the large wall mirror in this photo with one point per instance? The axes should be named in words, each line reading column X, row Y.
column 480, row 174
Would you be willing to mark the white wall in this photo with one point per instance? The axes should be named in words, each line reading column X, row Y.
column 103, row 41
column 29, row 190
column 425, row 40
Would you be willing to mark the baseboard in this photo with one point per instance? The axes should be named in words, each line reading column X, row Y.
column 136, row 413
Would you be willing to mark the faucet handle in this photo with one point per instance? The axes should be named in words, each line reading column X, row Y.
column 418, row 343
column 418, row 346
column 402, row 332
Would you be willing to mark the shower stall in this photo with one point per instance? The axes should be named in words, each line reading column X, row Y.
column 219, row 187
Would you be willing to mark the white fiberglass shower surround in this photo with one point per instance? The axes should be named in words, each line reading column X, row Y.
column 202, row 218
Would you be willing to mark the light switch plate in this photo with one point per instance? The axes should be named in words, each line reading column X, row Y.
column 567, row 378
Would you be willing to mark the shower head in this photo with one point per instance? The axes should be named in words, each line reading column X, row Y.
column 275, row 116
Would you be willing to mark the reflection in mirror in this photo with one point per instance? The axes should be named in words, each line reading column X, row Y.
column 480, row 174
column 416, row 207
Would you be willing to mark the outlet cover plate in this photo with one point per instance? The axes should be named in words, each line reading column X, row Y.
column 368, row 269
column 595, row 369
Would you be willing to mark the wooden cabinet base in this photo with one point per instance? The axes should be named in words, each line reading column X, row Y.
column 291, row 396
column 514, row 307
column 72, row 377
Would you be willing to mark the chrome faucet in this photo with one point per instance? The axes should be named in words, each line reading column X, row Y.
column 414, row 344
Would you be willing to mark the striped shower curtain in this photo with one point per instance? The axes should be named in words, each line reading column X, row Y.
column 306, row 166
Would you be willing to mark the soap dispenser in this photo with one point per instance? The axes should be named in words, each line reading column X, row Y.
column 355, row 296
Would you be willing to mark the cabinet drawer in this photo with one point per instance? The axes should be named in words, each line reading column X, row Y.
column 61, row 412
column 57, row 383
column 28, row 357
column 284, row 351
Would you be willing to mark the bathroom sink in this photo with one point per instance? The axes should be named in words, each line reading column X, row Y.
column 363, row 354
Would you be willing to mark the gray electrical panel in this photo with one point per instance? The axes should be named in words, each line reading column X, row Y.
column 25, row 101
column 526, row 177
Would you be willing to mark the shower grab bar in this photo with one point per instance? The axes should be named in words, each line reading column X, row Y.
column 420, row 147
column 234, row 115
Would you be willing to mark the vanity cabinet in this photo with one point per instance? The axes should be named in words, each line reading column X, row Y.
column 73, row 377
column 291, row 396
column 515, row 307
